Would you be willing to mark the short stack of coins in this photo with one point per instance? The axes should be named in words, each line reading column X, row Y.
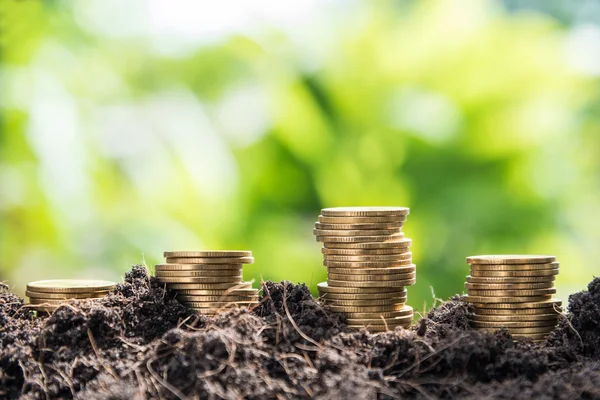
column 514, row 292
column 49, row 294
column 369, row 265
column 208, row 281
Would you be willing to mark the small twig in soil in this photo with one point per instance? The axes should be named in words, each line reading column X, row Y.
column 289, row 315
column 163, row 382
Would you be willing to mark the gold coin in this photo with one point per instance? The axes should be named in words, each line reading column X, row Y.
column 360, row 227
column 541, row 329
column 512, row 318
column 363, row 296
column 365, row 278
column 365, row 252
column 201, row 279
column 510, row 299
column 372, row 271
column 375, row 315
column 363, row 220
column 513, row 267
column 359, row 303
column 360, row 239
column 504, row 293
column 366, row 309
column 58, row 296
column 325, row 288
column 399, row 242
column 70, row 286
column 196, row 304
column 210, row 260
column 208, row 253
column 507, row 280
column 380, row 321
column 216, row 299
column 379, row 328
column 514, row 274
column 371, row 284
column 223, row 292
column 195, row 267
column 207, row 273
column 394, row 257
column 55, row 302
column 210, row 286
column 338, row 233
column 371, row 264
column 511, row 259
column 513, row 324
column 516, row 312
column 519, row 305
column 509, row 286
column 364, row 211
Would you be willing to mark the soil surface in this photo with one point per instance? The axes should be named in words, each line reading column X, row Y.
column 140, row 343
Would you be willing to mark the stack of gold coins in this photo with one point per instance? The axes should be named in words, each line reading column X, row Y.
column 208, row 281
column 514, row 292
column 369, row 265
column 48, row 295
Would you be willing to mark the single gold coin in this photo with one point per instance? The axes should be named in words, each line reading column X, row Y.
column 196, row 304
column 364, row 211
column 547, row 303
column 381, row 321
column 511, row 259
column 359, row 227
column 210, row 286
column 201, row 279
column 70, row 286
column 379, row 328
column 513, row 318
column 390, row 219
column 56, row 302
column 359, row 303
column 196, row 267
column 513, row 267
column 373, row 271
column 366, row 309
column 365, row 252
column 341, row 233
column 510, row 299
column 210, row 260
column 371, row 264
column 505, row 293
column 360, row 239
column 507, row 280
column 541, row 329
column 509, row 286
column 499, row 274
column 363, row 296
column 513, row 324
column 208, row 253
column 216, row 299
column 371, row 284
column 369, row 278
column 220, row 293
column 59, row 296
column 324, row 288
column 376, row 315
column 207, row 273
column 394, row 257
column 399, row 242
column 517, row 312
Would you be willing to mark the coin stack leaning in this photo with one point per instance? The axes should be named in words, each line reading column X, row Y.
column 514, row 292
column 49, row 294
column 208, row 281
column 369, row 265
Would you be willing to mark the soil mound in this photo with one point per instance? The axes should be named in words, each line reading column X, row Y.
column 140, row 342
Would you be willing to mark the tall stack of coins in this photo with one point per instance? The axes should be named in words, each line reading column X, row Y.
column 514, row 292
column 369, row 265
column 208, row 281
column 48, row 295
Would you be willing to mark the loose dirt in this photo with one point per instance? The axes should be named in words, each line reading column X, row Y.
column 140, row 343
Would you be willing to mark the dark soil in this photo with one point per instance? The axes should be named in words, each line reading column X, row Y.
column 140, row 342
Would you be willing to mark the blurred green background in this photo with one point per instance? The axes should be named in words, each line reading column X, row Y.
column 133, row 128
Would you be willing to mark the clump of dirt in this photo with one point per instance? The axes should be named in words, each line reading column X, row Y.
column 140, row 342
